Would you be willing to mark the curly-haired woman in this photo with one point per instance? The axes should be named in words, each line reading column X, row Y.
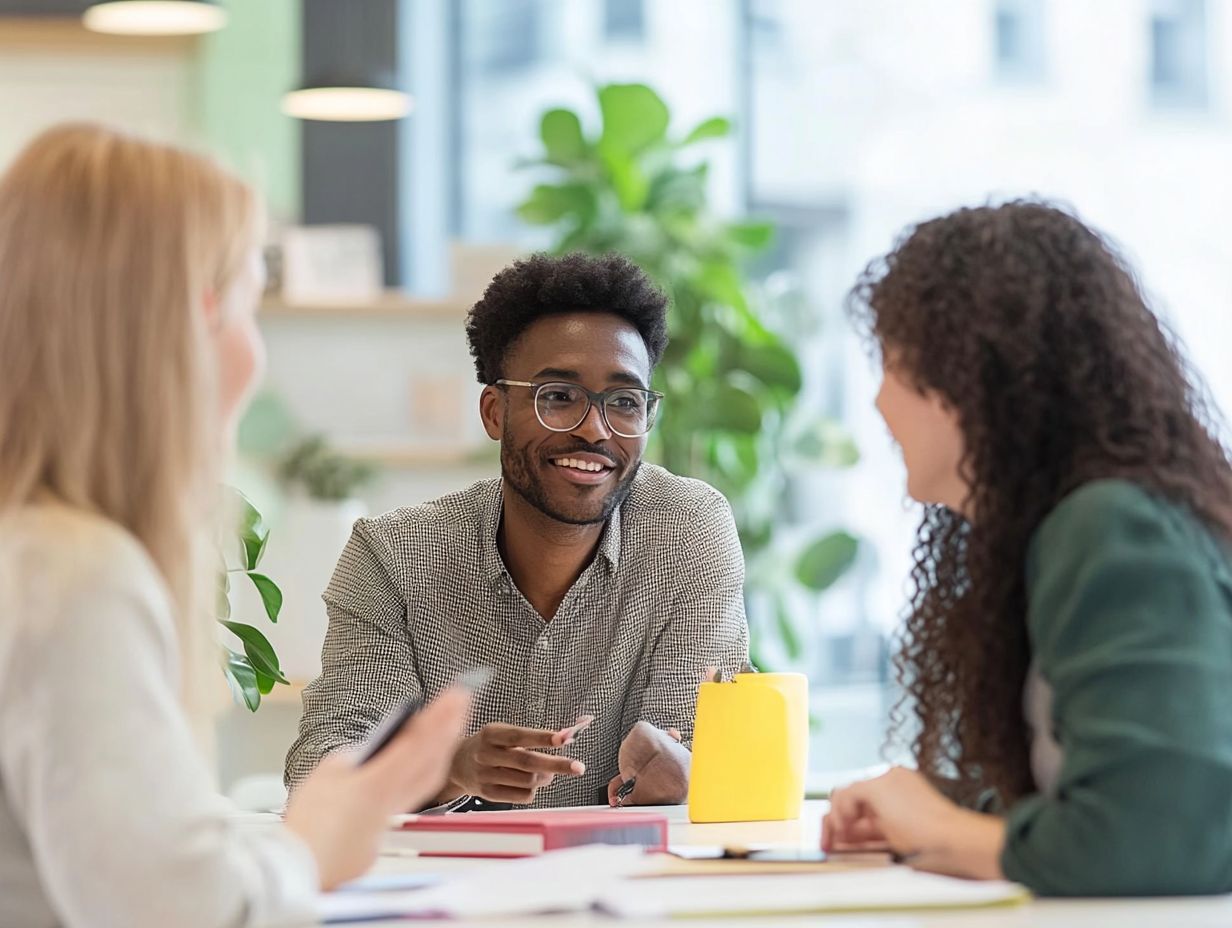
column 1067, row 656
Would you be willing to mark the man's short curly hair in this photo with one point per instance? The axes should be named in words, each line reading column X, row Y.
column 544, row 285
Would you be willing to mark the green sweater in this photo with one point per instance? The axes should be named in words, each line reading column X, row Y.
column 1130, row 621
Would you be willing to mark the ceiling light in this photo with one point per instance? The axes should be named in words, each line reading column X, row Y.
column 155, row 17
column 347, row 101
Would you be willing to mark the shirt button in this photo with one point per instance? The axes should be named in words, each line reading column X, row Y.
column 544, row 644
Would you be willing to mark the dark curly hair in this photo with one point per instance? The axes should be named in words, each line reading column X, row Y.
column 544, row 285
column 1035, row 331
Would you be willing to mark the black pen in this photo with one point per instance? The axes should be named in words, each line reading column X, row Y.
column 625, row 791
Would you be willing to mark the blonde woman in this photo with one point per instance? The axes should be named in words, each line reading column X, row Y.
column 129, row 276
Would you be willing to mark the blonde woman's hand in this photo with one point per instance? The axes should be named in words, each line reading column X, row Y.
column 903, row 812
column 341, row 811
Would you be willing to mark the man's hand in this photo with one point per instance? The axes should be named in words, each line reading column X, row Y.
column 660, row 764
column 499, row 763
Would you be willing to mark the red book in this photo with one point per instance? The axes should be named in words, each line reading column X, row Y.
column 526, row 833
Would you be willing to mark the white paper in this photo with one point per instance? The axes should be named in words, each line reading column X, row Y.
column 559, row 881
column 885, row 888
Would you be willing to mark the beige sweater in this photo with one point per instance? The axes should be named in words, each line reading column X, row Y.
column 108, row 815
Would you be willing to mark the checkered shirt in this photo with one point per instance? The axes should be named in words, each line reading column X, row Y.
column 422, row 593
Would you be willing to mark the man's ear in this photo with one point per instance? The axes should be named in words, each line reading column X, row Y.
column 492, row 411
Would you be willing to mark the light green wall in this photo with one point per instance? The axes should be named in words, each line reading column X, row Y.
column 242, row 72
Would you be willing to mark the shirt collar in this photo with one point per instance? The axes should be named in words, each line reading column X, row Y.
column 494, row 565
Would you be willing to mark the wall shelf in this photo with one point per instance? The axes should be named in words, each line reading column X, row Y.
column 283, row 694
column 392, row 304
column 402, row 456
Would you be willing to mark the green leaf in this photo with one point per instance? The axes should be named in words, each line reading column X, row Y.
column 265, row 683
column 721, row 283
column 320, row 471
column 752, row 235
column 729, row 408
column 561, row 131
column 735, row 455
column 787, row 630
column 271, row 596
column 549, row 203
column 755, row 657
column 774, row 364
column 634, row 117
column 716, row 127
column 754, row 538
column 243, row 680
column 825, row 442
column 258, row 650
column 826, row 559
column 222, row 598
column 630, row 183
column 253, row 532
column 679, row 191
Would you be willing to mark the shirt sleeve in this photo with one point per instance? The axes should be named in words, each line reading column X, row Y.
column 367, row 662
column 108, row 785
column 1132, row 628
column 706, row 624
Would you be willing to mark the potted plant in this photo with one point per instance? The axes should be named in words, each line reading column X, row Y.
column 322, row 505
column 252, row 671
column 632, row 186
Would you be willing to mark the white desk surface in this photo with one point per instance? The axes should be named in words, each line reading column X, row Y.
column 1087, row 913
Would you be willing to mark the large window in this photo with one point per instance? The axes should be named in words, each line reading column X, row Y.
column 1019, row 41
column 624, row 20
column 1178, row 68
column 859, row 119
column 508, row 36
column 684, row 48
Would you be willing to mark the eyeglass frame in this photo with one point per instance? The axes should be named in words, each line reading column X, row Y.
column 593, row 399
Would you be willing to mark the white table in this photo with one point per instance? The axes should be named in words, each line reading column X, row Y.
column 1087, row 913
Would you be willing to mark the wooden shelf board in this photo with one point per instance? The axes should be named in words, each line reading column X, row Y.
column 390, row 305
column 397, row 455
column 33, row 35
column 285, row 694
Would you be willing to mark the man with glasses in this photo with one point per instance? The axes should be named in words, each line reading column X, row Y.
column 597, row 587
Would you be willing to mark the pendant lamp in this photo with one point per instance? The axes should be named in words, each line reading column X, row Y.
column 348, row 98
column 155, row 17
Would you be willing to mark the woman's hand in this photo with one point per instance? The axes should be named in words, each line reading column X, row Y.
column 904, row 813
column 342, row 809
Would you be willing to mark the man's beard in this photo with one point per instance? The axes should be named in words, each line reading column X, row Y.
column 519, row 471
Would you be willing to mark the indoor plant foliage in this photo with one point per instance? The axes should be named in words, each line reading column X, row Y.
column 317, row 489
column 312, row 466
column 733, row 384
column 254, row 672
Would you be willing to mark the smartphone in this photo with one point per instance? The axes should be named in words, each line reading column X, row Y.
column 785, row 855
column 779, row 855
column 473, row 680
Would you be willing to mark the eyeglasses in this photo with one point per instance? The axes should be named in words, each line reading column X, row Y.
column 629, row 412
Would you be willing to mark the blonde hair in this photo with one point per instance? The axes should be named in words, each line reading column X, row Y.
column 108, row 246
